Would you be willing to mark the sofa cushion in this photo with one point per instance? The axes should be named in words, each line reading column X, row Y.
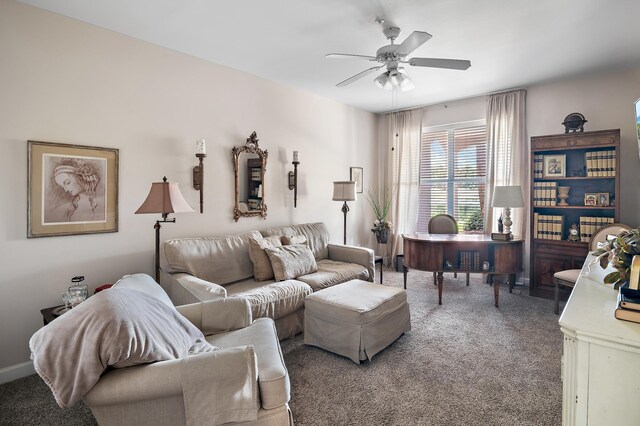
column 119, row 327
column 294, row 239
column 317, row 236
column 273, row 300
column 332, row 272
column 262, row 269
column 273, row 379
column 291, row 261
column 221, row 260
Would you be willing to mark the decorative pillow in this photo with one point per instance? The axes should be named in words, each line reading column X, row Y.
column 295, row 239
column 291, row 261
column 262, row 269
column 119, row 327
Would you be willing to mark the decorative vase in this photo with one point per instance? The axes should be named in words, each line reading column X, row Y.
column 563, row 194
column 382, row 235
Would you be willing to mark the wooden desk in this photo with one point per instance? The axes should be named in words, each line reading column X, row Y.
column 427, row 252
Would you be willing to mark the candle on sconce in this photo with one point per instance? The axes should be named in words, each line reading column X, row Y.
column 201, row 147
column 295, row 156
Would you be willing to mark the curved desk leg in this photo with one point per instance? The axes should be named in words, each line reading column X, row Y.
column 440, row 280
column 512, row 282
column 496, row 290
column 404, row 275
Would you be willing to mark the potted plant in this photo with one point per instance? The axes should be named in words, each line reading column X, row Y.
column 380, row 206
column 619, row 253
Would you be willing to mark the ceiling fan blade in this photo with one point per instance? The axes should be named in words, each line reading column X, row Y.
column 454, row 64
column 415, row 40
column 348, row 56
column 358, row 76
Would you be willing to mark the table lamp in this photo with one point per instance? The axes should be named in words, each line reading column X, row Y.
column 507, row 197
column 344, row 191
column 164, row 198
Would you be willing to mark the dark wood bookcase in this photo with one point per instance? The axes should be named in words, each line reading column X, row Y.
column 549, row 256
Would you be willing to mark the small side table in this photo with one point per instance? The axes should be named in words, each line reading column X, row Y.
column 49, row 314
column 379, row 259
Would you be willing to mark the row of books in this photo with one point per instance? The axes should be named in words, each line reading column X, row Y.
column 469, row 260
column 547, row 226
column 545, row 193
column 589, row 225
column 538, row 166
column 256, row 174
column 600, row 163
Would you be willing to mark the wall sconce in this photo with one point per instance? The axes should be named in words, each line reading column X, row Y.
column 293, row 178
column 198, row 171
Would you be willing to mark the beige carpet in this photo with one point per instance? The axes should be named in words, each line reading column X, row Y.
column 463, row 363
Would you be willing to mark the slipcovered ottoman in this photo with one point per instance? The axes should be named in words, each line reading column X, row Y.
column 356, row 319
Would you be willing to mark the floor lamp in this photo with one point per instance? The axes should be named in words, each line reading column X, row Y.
column 164, row 198
column 344, row 191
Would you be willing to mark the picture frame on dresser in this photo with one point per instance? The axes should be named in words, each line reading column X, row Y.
column 72, row 189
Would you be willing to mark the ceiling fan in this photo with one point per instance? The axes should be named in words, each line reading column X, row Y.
column 393, row 55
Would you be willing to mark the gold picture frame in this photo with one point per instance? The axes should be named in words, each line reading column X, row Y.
column 72, row 189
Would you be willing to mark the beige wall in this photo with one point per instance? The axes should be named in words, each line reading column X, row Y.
column 66, row 81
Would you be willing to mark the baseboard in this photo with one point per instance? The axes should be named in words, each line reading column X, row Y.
column 18, row 371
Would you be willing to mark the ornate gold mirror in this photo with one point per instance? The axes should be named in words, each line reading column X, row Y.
column 250, row 166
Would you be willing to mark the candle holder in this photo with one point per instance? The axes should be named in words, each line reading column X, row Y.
column 198, row 179
column 293, row 178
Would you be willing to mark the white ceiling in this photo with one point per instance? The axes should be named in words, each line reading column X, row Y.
column 510, row 43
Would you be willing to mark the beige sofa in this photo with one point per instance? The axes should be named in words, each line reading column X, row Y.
column 211, row 268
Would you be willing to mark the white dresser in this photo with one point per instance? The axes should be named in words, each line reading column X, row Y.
column 601, row 362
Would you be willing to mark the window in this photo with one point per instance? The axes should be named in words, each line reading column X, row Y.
column 453, row 174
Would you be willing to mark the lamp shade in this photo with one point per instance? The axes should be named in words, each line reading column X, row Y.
column 507, row 196
column 164, row 197
column 344, row 191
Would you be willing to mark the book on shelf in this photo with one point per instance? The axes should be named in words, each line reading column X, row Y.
column 538, row 165
column 548, row 227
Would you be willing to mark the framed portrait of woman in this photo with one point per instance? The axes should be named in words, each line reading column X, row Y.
column 72, row 189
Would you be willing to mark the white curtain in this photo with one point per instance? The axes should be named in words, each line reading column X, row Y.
column 403, row 133
column 507, row 154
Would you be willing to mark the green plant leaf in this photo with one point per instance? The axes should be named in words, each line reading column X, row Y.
column 612, row 278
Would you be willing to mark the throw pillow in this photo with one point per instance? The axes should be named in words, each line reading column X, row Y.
column 262, row 269
column 119, row 327
column 295, row 239
column 291, row 261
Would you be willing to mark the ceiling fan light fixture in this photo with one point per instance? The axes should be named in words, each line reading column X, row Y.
column 383, row 82
column 406, row 84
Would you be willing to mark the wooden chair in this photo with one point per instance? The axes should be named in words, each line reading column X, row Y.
column 569, row 277
column 443, row 224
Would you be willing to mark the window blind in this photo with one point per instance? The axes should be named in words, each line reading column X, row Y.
column 453, row 173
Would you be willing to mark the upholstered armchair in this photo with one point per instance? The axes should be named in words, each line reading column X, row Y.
column 246, row 380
